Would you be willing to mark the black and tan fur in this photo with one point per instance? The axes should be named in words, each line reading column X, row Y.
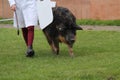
column 62, row 29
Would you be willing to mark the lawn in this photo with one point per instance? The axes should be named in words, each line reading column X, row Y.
column 97, row 57
column 98, row 22
column 84, row 22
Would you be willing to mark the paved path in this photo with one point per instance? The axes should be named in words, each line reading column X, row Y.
column 6, row 25
column 106, row 28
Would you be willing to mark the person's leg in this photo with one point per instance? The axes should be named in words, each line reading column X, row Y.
column 25, row 35
column 30, row 35
column 30, row 38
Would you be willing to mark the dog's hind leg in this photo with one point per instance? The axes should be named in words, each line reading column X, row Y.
column 54, row 44
column 49, row 40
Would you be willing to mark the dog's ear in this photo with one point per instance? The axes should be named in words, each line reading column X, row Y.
column 78, row 27
column 75, row 26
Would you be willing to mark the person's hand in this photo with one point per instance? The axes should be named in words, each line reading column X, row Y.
column 13, row 7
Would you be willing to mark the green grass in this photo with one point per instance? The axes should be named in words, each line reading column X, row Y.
column 98, row 22
column 97, row 57
column 6, row 22
column 85, row 22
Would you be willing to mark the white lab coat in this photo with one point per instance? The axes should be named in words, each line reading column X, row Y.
column 26, row 13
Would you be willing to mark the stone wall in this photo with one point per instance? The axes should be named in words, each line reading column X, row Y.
column 82, row 9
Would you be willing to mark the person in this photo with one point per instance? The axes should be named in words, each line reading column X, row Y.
column 25, row 16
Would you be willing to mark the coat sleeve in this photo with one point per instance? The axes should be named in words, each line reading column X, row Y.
column 11, row 2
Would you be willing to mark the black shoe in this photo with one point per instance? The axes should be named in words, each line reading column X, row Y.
column 30, row 52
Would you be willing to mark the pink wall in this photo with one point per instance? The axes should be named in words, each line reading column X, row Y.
column 5, row 11
column 82, row 9
column 93, row 9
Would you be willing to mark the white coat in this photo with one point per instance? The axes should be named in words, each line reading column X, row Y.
column 26, row 13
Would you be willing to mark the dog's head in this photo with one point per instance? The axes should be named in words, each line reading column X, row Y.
column 66, row 25
column 67, row 34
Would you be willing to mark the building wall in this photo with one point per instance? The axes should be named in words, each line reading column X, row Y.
column 93, row 9
column 5, row 11
column 105, row 9
column 82, row 9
